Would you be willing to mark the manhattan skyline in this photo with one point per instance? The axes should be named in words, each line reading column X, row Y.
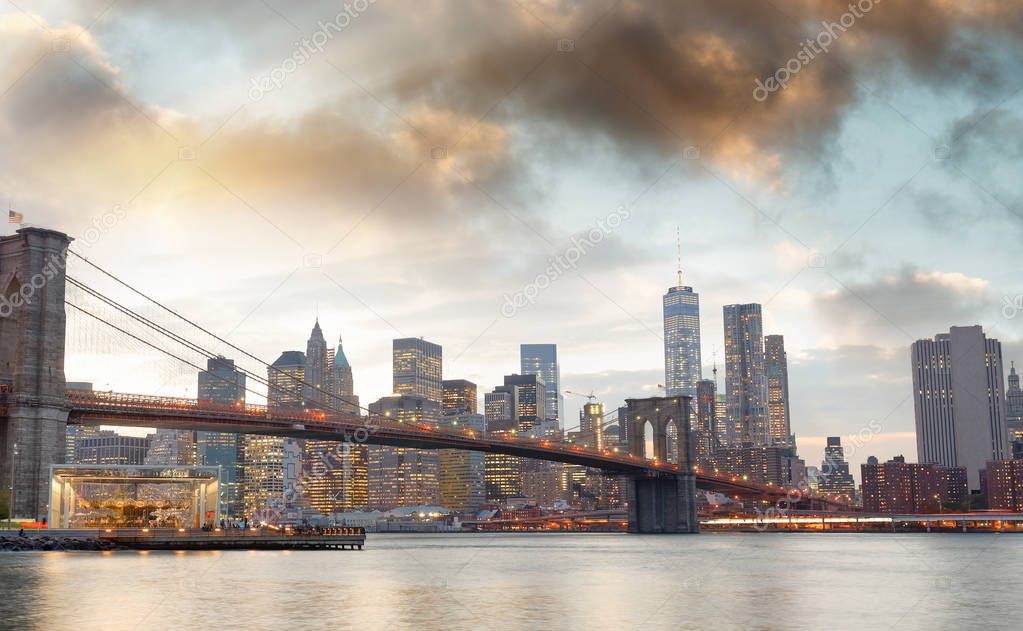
column 407, row 205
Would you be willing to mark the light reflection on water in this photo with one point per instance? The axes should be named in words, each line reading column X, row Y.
column 526, row 581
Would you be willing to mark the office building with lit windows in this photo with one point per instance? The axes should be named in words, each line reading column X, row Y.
column 273, row 464
column 501, row 471
column 898, row 486
column 1003, row 485
column 417, row 366
column 460, row 397
column 834, row 477
column 776, row 365
column 745, row 376
column 398, row 476
column 333, row 474
column 959, row 400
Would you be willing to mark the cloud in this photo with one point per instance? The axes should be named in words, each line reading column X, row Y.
column 663, row 76
column 906, row 305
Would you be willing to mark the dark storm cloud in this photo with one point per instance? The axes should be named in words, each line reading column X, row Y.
column 670, row 75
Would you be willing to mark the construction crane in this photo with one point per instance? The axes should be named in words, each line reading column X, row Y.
column 589, row 396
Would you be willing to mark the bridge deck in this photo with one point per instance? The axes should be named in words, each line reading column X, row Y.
column 110, row 408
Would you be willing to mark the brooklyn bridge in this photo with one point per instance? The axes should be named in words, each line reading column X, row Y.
column 36, row 404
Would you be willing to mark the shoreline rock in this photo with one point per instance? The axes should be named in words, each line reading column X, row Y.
column 45, row 543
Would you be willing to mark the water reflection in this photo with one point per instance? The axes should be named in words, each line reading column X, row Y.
column 525, row 581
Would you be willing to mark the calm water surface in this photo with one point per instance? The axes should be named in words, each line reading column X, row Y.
column 524, row 581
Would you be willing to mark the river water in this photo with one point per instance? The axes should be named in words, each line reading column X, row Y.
column 534, row 581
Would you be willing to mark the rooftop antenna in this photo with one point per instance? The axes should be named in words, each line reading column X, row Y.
column 678, row 249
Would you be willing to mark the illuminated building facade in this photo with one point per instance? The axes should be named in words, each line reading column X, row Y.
column 273, row 464
column 463, row 473
column 460, row 397
column 1004, row 485
column 221, row 382
column 591, row 421
column 398, row 476
column 745, row 376
column 333, row 474
column 898, row 486
column 417, row 366
column 501, row 471
column 834, row 478
column 776, row 365
column 777, row 465
column 682, row 367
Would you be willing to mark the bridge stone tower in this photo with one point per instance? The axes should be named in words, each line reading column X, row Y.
column 662, row 503
column 33, row 406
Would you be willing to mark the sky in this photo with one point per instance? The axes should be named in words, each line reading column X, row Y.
column 510, row 171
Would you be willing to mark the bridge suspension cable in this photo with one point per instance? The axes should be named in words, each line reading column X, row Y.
column 146, row 342
column 201, row 328
column 163, row 331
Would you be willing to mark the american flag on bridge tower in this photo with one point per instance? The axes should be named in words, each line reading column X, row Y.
column 14, row 217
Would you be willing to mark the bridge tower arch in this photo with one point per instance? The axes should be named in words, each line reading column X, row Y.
column 33, row 404
column 663, row 502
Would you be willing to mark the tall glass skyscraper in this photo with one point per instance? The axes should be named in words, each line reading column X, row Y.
column 221, row 382
column 542, row 360
column 745, row 376
column 682, row 368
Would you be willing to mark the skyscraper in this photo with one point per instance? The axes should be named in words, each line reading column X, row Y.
column 959, row 400
column 776, row 366
column 333, row 473
column 221, row 382
column 417, row 366
column 462, row 485
column 315, row 390
column 341, row 381
column 531, row 402
column 834, row 478
column 501, row 471
column 1014, row 405
column 745, row 379
column 399, row 476
column 682, row 368
column 460, row 397
column 462, row 473
column 542, row 360
column 171, row 447
column 271, row 466
column 591, row 425
column 705, row 435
